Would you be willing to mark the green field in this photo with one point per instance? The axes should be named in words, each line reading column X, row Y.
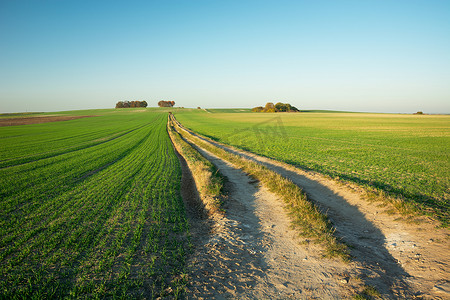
column 228, row 110
column 91, row 208
column 406, row 156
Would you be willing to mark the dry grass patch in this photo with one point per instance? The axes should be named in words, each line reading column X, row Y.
column 306, row 218
column 207, row 178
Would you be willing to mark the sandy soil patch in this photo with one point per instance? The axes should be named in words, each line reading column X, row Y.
column 252, row 253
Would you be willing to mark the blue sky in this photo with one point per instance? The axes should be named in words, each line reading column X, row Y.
column 382, row 56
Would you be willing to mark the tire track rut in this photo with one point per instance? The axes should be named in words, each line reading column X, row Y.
column 251, row 252
column 401, row 260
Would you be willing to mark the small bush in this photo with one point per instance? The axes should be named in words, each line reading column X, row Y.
column 258, row 109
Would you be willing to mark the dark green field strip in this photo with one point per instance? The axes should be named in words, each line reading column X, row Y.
column 62, row 133
column 49, row 177
column 139, row 233
column 120, row 231
column 77, row 146
column 36, row 136
column 15, row 115
column 20, row 154
column 404, row 156
column 40, row 198
column 40, row 206
column 41, row 180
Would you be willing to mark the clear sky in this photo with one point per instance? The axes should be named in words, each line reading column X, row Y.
column 361, row 55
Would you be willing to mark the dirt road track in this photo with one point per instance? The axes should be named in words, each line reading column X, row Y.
column 401, row 260
column 251, row 252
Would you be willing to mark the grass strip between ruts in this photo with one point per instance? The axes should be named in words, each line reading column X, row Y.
column 207, row 179
column 306, row 217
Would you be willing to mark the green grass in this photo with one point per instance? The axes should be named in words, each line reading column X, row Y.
column 20, row 115
column 91, row 208
column 310, row 223
column 208, row 181
column 228, row 110
column 404, row 156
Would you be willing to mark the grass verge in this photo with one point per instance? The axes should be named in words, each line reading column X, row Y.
column 208, row 180
column 306, row 218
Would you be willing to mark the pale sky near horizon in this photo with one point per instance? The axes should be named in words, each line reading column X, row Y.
column 377, row 56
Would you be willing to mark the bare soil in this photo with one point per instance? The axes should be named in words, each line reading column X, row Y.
column 400, row 259
column 251, row 252
column 37, row 120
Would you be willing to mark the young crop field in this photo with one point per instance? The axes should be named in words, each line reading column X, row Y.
column 91, row 208
column 228, row 110
column 405, row 156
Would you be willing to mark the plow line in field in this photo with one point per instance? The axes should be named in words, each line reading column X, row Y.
column 102, row 221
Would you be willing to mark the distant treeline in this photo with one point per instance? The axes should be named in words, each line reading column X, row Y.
column 279, row 107
column 127, row 104
column 166, row 103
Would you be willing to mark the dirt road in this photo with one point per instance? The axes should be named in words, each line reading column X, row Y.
column 251, row 252
column 399, row 259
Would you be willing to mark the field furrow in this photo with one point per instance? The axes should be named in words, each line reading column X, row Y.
column 103, row 220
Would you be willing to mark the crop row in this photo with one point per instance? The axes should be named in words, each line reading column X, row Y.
column 46, row 140
column 104, row 220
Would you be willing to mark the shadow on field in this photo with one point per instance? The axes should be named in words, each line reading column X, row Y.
column 194, row 206
column 377, row 267
column 223, row 262
column 366, row 242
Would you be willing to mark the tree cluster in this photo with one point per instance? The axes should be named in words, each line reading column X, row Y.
column 279, row 107
column 166, row 103
column 127, row 104
column 285, row 107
